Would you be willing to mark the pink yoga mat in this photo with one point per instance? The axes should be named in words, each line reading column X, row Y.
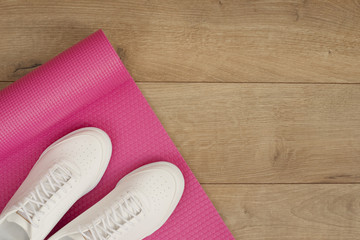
column 87, row 85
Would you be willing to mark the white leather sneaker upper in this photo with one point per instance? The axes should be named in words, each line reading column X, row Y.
column 139, row 205
column 67, row 170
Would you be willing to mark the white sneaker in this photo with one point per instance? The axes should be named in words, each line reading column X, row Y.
column 138, row 206
column 67, row 170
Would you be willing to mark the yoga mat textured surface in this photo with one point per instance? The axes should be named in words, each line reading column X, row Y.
column 87, row 85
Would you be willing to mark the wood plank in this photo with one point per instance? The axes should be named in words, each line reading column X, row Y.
column 263, row 133
column 289, row 212
column 193, row 41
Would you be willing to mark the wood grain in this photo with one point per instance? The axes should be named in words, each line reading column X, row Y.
column 262, row 98
column 289, row 212
column 263, row 133
column 193, row 41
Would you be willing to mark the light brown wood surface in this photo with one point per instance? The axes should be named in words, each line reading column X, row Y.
column 193, row 41
column 262, row 98
column 290, row 211
column 263, row 133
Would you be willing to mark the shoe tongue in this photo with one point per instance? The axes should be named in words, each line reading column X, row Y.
column 73, row 237
column 21, row 221
column 42, row 195
column 129, row 203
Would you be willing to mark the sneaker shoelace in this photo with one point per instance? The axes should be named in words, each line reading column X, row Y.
column 123, row 213
column 30, row 209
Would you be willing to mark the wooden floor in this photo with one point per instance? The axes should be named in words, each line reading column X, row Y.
column 261, row 97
